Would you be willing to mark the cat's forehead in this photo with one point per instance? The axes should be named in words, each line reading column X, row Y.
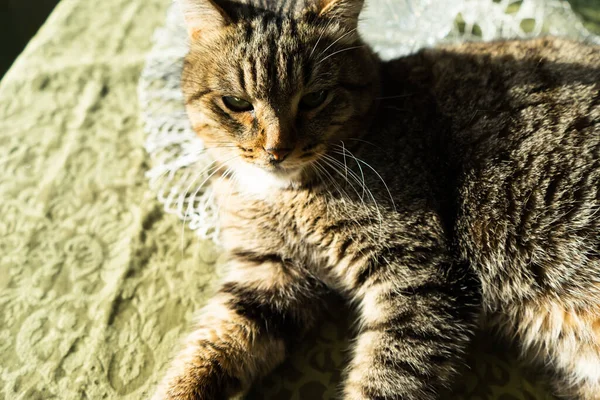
column 272, row 57
column 273, row 33
column 246, row 9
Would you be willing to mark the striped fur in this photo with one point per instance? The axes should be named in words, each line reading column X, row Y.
column 428, row 191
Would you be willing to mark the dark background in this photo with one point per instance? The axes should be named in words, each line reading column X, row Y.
column 19, row 21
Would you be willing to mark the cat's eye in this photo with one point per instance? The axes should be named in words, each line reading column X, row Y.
column 236, row 104
column 313, row 100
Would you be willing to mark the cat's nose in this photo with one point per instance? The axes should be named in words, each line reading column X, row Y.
column 277, row 154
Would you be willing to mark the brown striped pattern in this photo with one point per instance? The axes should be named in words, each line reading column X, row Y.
column 467, row 185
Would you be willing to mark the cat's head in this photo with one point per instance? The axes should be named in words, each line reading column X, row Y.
column 271, row 85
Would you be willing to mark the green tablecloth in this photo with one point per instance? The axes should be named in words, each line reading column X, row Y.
column 97, row 283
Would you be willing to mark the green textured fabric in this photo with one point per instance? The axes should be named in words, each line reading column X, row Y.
column 97, row 283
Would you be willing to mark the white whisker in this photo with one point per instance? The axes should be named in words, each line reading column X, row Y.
column 379, row 214
column 380, row 178
column 337, row 40
column 192, row 198
column 339, row 51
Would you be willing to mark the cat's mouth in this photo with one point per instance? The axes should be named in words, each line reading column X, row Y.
column 280, row 164
column 264, row 171
column 281, row 170
column 260, row 178
column 276, row 167
column 286, row 167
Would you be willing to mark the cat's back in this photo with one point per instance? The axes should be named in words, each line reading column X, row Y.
column 525, row 138
column 480, row 86
column 500, row 93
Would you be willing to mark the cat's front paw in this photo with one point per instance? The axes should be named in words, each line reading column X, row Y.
column 188, row 386
column 196, row 383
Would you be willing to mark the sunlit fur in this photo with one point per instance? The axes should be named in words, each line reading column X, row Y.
column 434, row 192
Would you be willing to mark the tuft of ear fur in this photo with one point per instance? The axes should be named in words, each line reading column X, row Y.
column 202, row 16
column 344, row 11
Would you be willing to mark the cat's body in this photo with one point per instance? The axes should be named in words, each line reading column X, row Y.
column 482, row 164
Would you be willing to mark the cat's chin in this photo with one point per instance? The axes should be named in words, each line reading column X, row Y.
column 261, row 181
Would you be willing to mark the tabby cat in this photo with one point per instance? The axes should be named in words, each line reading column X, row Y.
column 435, row 192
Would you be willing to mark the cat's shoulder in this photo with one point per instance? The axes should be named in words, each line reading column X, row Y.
column 484, row 75
column 549, row 47
column 554, row 54
column 563, row 58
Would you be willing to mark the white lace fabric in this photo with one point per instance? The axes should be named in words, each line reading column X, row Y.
column 180, row 169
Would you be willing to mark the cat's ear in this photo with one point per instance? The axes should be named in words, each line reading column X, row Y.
column 344, row 11
column 202, row 16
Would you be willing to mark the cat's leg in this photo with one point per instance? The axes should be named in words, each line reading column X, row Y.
column 263, row 305
column 562, row 338
column 415, row 323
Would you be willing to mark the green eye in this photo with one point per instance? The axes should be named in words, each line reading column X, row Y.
column 313, row 100
column 236, row 104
